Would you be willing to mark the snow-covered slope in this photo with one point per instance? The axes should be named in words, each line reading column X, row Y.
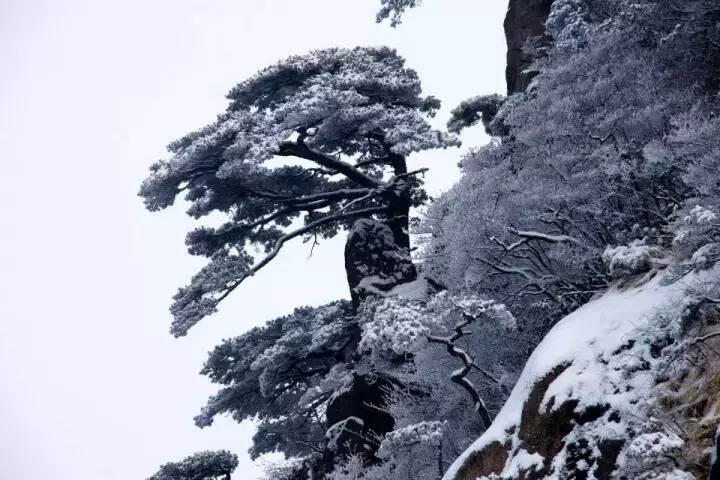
column 584, row 407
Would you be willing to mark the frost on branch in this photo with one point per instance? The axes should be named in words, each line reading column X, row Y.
column 471, row 305
column 566, row 23
column 348, row 116
column 411, row 435
column 394, row 10
column 200, row 466
column 473, row 110
column 396, row 327
column 653, row 456
column 337, row 432
column 626, row 260
column 655, row 445
column 697, row 234
column 283, row 375
column 201, row 297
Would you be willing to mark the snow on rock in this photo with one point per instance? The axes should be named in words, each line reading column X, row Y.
column 580, row 407
column 374, row 263
column 417, row 433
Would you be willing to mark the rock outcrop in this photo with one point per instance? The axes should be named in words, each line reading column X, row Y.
column 374, row 262
column 596, row 399
column 525, row 21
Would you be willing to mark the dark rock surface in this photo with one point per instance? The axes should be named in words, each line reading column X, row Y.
column 525, row 21
column 374, row 262
column 545, row 432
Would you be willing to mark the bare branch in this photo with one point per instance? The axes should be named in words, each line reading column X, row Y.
column 545, row 237
column 343, row 194
column 704, row 338
column 459, row 376
column 289, row 236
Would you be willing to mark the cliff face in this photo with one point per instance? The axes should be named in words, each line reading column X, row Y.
column 525, row 20
column 603, row 397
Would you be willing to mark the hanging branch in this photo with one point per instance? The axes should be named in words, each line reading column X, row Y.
column 459, row 376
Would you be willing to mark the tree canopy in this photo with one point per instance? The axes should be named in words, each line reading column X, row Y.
column 305, row 147
column 207, row 465
column 282, row 375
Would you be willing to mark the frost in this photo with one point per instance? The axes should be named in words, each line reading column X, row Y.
column 396, row 327
column 655, row 445
column 705, row 257
column 418, row 433
column 626, row 260
column 394, row 9
column 566, row 23
column 206, row 465
column 700, row 216
column 336, row 432
column 346, row 119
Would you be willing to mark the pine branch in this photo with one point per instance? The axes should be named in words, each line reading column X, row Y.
column 289, row 236
column 301, row 150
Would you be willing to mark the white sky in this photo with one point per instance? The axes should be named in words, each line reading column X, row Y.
column 91, row 384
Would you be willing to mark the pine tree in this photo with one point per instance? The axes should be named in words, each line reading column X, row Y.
column 305, row 148
column 200, row 466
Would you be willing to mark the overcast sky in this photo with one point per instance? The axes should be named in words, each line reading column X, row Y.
column 92, row 386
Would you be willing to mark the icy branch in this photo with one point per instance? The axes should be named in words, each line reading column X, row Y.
column 300, row 231
column 459, row 376
column 545, row 237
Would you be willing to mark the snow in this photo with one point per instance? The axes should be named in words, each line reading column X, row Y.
column 629, row 259
column 334, row 433
column 655, row 445
column 523, row 461
column 589, row 341
column 395, row 328
column 701, row 215
column 705, row 257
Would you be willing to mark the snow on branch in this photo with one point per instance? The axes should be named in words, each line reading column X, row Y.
column 459, row 376
column 545, row 237
column 226, row 272
column 208, row 465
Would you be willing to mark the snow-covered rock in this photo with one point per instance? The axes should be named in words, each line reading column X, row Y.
column 583, row 406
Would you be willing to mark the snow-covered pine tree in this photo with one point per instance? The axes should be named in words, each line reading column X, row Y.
column 283, row 375
column 209, row 465
column 305, row 148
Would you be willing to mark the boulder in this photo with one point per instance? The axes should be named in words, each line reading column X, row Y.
column 525, row 21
